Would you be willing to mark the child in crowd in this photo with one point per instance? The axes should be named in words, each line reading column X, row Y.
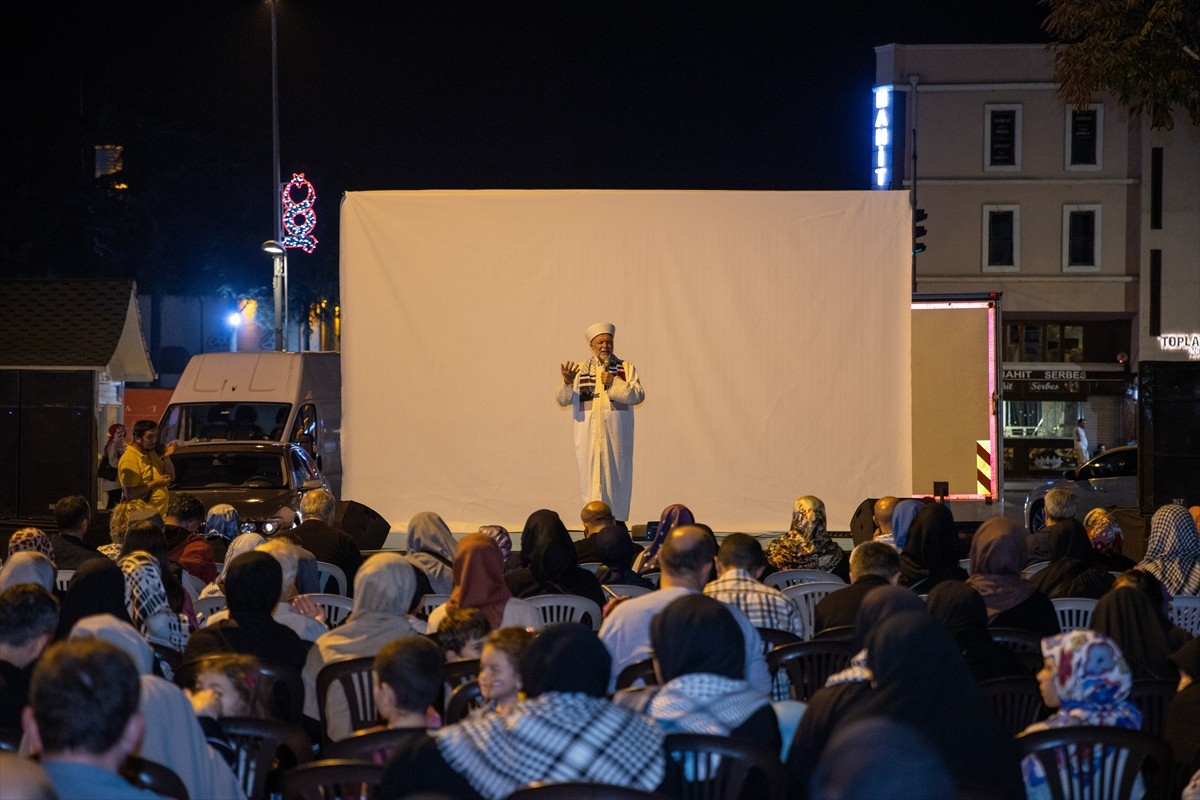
column 226, row 686
column 499, row 669
column 408, row 679
column 461, row 634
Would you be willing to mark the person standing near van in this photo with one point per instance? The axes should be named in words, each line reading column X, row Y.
column 141, row 471
column 1081, row 443
column 603, row 391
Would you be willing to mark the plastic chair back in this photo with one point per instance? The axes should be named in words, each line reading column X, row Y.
column 1026, row 645
column 466, row 698
column 374, row 746
column 153, row 776
column 332, row 777
column 336, row 607
column 790, row 577
column 62, row 580
column 1151, row 697
column 807, row 665
column 192, row 585
column 567, row 608
column 639, row 670
column 1074, row 613
column 209, row 605
column 330, row 578
column 356, row 678
column 591, row 566
column 627, row 589
column 431, row 601
column 703, row 767
column 1016, row 700
column 455, row 674
column 261, row 747
column 1034, row 569
column 805, row 597
column 1185, row 612
column 1093, row 762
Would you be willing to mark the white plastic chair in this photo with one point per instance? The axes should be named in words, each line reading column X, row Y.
column 209, row 605
column 1185, row 612
column 1034, row 568
column 326, row 571
column 63, row 579
column 1074, row 613
column 192, row 585
column 335, row 607
column 965, row 565
column 591, row 566
column 626, row 589
column 805, row 597
column 790, row 577
column 431, row 601
column 566, row 608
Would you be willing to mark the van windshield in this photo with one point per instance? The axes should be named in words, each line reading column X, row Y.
column 209, row 470
column 237, row 421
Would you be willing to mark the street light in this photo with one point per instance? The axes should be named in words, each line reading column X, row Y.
column 279, row 284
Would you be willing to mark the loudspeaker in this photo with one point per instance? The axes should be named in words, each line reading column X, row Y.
column 366, row 527
column 1168, row 433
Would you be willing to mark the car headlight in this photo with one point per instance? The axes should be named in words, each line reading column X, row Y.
column 271, row 526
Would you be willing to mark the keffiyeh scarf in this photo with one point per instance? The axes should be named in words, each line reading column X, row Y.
column 555, row 737
column 857, row 672
column 702, row 702
column 1173, row 550
column 146, row 601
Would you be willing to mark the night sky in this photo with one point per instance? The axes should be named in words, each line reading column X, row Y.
column 394, row 94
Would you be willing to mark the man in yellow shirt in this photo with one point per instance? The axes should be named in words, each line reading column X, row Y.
column 141, row 471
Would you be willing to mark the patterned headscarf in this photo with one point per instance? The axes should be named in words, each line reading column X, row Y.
column 1103, row 532
column 672, row 517
column 31, row 540
column 1092, row 679
column 806, row 545
column 222, row 523
column 146, row 601
column 1173, row 550
column 500, row 536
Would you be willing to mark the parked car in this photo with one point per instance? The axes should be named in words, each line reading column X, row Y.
column 1107, row 481
column 264, row 481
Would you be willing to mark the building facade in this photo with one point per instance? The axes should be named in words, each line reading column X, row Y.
column 1085, row 219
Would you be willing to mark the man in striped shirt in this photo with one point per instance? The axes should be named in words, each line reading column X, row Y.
column 740, row 564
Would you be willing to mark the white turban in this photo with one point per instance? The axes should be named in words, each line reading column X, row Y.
column 600, row 327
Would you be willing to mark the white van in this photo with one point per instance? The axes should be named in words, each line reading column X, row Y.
column 268, row 396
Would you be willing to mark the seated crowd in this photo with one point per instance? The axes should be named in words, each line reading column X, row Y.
column 183, row 626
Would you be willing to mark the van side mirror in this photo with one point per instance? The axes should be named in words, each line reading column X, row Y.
column 312, row 483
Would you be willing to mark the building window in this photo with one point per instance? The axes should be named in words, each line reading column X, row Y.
column 1085, row 137
column 1081, row 238
column 1002, row 130
column 1001, row 238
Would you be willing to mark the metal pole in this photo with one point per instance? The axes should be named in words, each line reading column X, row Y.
column 280, row 283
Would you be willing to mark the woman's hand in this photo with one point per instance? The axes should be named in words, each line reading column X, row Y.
column 308, row 608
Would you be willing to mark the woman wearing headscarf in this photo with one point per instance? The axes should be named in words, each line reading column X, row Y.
column 700, row 659
column 245, row 543
column 1107, row 540
column 615, row 552
column 962, row 611
column 1074, row 569
column 997, row 558
column 31, row 540
column 146, row 602
column 430, row 548
column 1173, row 550
column 806, row 544
column 903, row 515
column 902, row 765
column 1179, row 723
column 1088, row 679
column 28, row 566
column 383, row 590
column 563, row 731
column 920, row 679
column 1160, row 601
column 844, row 690
column 479, row 584
column 930, row 553
column 221, row 527
column 253, row 584
column 671, row 517
column 97, row 588
column 114, row 448
column 549, row 564
column 500, row 535
column 1127, row 616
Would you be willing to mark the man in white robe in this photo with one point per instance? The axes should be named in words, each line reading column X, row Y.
column 603, row 391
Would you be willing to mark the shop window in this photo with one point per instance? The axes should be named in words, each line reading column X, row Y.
column 1002, row 134
column 1081, row 238
column 1001, row 238
column 1084, row 138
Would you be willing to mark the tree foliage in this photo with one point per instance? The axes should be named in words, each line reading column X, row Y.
column 1146, row 52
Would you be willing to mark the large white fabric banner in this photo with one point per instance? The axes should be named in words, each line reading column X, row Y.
column 771, row 332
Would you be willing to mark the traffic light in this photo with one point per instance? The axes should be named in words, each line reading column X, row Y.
column 919, row 216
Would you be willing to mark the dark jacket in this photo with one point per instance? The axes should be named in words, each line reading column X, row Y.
column 331, row 546
column 70, row 553
column 839, row 608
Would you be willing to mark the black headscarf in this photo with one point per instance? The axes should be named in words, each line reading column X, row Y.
column 97, row 588
column 1127, row 616
column 961, row 609
column 549, row 563
column 930, row 555
column 882, row 603
column 566, row 657
column 921, row 680
column 902, row 765
column 614, row 548
column 253, row 585
column 697, row 634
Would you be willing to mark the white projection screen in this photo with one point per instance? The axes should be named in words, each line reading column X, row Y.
column 771, row 331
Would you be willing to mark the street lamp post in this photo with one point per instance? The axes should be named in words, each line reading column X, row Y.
column 278, row 254
column 279, row 284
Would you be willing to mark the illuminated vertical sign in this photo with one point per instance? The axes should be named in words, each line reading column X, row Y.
column 881, row 166
column 299, row 216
